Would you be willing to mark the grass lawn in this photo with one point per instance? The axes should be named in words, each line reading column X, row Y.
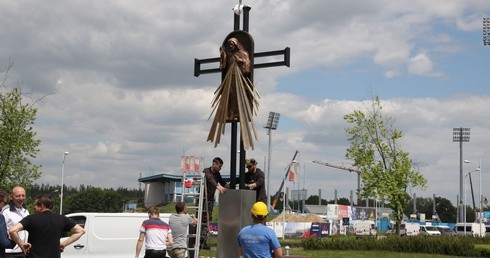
column 333, row 253
column 342, row 254
column 338, row 254
column 298, row 251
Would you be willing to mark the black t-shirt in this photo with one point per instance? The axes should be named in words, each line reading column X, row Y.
column 259, row 179
column 45, row 230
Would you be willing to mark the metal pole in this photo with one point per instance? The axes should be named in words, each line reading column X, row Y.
column 458, row 207
column 269, row 170
column 462, row 212
column 62, row 181
column 480, row 192
column 434, row 212
column 283, row 213
column 303, row 192
column 358, row 190
column 472, row 193
column 461, row 135
column 481, row 211
column 464, row 207
column 299, row 180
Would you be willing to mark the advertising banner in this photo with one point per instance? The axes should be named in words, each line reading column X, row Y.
column 363, row 213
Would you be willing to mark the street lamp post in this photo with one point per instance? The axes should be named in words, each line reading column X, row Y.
column 272, row 123
column 62, row 178
column 480, row 193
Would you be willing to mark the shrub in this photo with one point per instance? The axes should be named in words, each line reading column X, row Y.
column 445, row 245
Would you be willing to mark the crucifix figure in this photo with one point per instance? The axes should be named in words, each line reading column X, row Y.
column 236, row 99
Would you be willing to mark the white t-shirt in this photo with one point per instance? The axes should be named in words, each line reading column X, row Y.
column 12, row 216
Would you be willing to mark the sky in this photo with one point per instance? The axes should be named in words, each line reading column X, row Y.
column 118, row 91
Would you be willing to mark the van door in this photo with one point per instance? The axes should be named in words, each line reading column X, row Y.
column 77, row 249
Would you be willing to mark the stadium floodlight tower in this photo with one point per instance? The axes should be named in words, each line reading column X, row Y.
column 272, row 123
column 486, row 31
column 461, row 135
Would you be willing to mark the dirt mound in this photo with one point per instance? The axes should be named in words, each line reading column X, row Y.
column 297, row 218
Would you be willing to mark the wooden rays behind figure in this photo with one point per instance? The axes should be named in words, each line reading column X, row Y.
column 236, row 98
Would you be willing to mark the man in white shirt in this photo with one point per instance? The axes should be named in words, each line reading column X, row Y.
column 13, row 213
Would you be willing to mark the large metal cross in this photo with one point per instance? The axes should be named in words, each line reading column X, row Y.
column 198, row 71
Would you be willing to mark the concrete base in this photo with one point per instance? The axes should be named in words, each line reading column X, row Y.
column 234, row 214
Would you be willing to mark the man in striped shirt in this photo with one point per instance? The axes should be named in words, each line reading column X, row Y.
column 157, row 235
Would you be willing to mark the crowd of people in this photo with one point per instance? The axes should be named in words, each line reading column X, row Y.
column 256, row 240
column 38, row 235
column 34, row 235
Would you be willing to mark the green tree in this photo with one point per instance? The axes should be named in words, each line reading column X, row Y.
column 313, row 199
column 94, row 200
column 386, row 169
column 18, row 143
column 444, row 209
column 340, row 201
column 86, row 198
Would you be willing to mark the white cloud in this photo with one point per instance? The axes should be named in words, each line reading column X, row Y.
column 421, row 64
column 126, row 101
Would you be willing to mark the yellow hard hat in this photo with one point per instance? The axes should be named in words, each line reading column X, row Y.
column 259, row 209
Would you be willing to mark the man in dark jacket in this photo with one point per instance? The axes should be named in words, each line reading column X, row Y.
column 214, row 182
column 255, row 180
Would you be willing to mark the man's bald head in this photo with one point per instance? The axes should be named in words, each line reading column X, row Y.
column 18, row 196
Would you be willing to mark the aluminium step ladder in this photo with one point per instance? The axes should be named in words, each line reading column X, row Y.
column 199, row 204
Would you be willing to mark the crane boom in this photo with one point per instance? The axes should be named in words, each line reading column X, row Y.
column 350, row 169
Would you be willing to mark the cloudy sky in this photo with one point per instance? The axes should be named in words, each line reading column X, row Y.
column 122, row 98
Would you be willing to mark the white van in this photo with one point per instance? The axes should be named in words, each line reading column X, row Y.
column 107, row 235
column 429, row 231
column 364, row 228
column 411, row 229
column 472, row 229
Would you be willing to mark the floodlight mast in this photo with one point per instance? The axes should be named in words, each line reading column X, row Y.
column 486, row 31
column 461, row 135
column 272, row 123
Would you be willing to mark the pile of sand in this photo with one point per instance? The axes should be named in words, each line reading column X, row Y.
column 297, row 218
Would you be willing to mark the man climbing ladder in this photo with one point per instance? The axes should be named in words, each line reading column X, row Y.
column 204, row 203
column 214, row 182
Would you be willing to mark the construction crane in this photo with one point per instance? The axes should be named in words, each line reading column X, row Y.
column 350, row 169
column 288, row 168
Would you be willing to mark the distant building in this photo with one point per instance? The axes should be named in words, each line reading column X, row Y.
column 164, row 188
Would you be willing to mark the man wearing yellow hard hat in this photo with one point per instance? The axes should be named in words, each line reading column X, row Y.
column 258, row 240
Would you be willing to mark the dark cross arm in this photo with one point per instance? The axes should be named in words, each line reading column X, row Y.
column 285, row 62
